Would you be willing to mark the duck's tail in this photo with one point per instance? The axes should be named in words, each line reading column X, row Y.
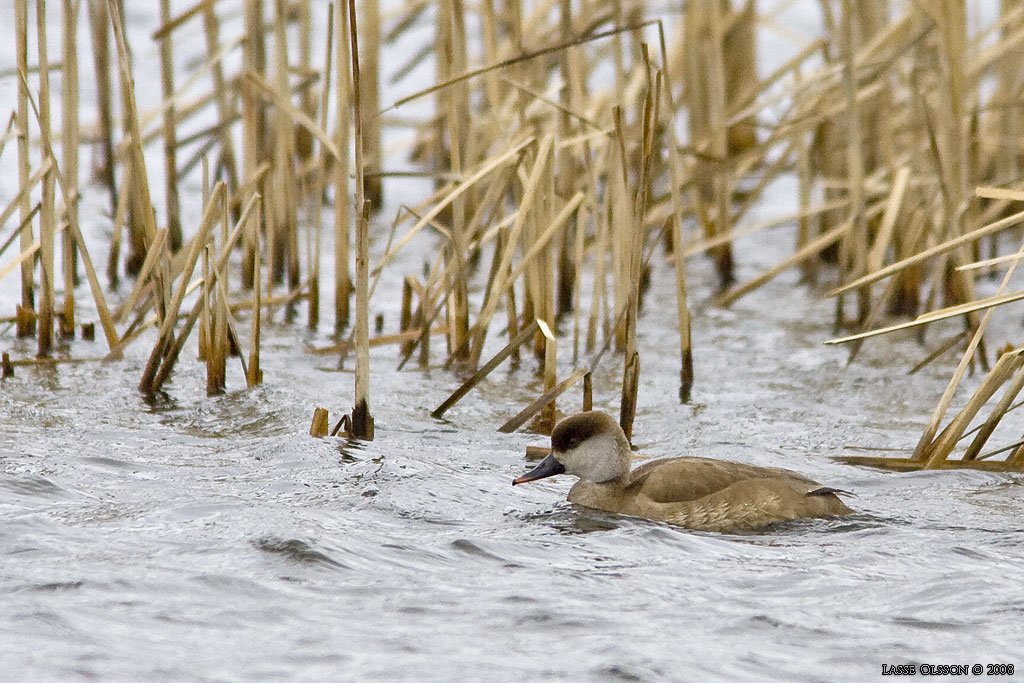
column 826, row 490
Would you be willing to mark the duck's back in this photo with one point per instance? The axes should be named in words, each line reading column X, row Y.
column 683, row 479
column 711, row 495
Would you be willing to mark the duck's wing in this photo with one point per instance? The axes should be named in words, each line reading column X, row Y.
column 749, row 505
column 685, row 479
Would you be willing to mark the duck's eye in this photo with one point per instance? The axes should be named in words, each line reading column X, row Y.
column 573, row 443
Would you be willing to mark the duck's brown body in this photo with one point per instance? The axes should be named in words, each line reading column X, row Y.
column 710, row 495
column 697, row 493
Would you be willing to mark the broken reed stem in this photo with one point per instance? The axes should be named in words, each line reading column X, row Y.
column 546, row 420
column 321, row 423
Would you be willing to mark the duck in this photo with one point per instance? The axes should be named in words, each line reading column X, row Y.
column 701, row 494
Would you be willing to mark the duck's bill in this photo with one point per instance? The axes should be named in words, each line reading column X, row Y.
column 548, row 467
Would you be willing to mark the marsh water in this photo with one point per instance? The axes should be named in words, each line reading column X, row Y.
column 183, row 537
column 195, row 538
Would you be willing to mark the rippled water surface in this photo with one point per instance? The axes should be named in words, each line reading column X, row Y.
column 211, row 539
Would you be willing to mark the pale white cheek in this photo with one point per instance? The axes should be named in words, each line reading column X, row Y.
column 595, row 459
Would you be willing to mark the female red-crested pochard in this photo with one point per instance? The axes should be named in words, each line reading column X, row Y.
column 697, row 493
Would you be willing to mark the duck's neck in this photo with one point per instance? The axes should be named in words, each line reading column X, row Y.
column 603, row 496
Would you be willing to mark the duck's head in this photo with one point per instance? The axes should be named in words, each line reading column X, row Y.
column 590, row 445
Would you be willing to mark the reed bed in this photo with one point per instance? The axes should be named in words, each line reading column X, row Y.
column 570, row 145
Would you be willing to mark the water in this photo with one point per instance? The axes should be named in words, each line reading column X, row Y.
column 189, row 538
column 211, row 539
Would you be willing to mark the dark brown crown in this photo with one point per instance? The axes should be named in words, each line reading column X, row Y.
column 574, row 430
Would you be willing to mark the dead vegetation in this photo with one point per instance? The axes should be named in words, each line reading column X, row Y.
column 570, row 144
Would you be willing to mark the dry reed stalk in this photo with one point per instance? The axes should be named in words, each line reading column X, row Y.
column 620, row 226
column 284, row 251
column 24, row 192
column 598, row 295
column 409, row 336
column 675, row 167
column 369, row 97
column 271, row 225
column 120, row 216
column 26, row 256
column 342, row 208
column 211, row 29
column 253, row 124
column 428, row 312
column 166, row 333
column 998, row 411
column 142, row 227
column 896, row 293
column 939, row 249
column 706, row 97
column 205, row 320
column 523, row 416
column 935, row 316
column 930, row 449
column 47, row 210
column 361, row 421
column 26, row 323
column 942, row 348
column 485, row 169
column 941, row 448
column 854, row 245
column 101, row 304
column 811, row 249
column 319, row 183
column 170, row 145
column 216, row 364
column 69, row 150
column 479, row 330
column 525, row 335
column 146, row 278
column 452, row 106
column 99, row 24
column 545, row 421
column 405, row 319
column 172, row 353
column 631, row 365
